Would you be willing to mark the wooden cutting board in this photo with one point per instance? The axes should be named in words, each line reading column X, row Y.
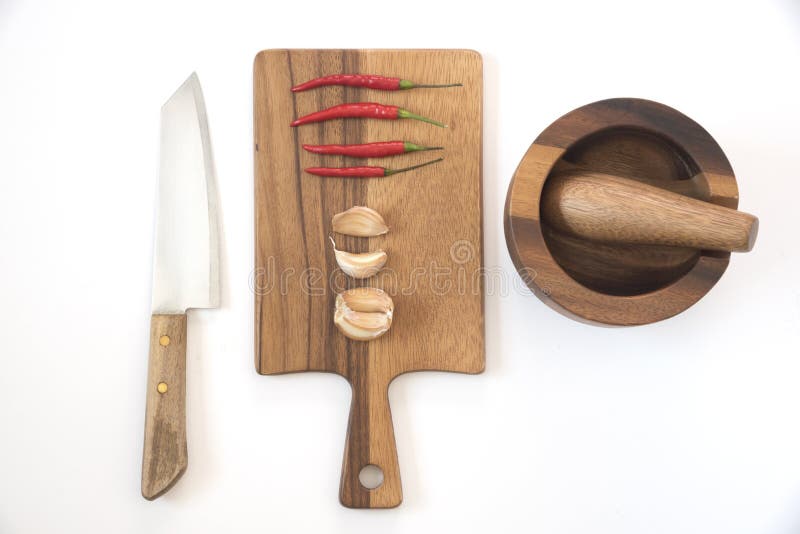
column 434, row 247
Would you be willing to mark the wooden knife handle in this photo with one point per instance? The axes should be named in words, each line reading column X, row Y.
column 370, row 441
column 612, row 209
column 165, row 456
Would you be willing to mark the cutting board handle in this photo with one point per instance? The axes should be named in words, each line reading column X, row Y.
column 370, row 442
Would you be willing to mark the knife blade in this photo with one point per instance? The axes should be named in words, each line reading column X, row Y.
column 185, row 275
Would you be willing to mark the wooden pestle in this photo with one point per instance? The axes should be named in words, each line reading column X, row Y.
column 612, row 209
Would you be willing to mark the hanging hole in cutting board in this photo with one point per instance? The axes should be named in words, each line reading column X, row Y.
column 371, row 476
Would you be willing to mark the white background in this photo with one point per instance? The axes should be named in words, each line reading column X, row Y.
column 691, row 425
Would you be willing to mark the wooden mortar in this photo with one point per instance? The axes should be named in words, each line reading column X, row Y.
column 623, row 212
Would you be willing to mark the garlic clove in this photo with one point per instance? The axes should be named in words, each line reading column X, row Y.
column 367, row 299
column 371, row 317
column 362, row 326
column 361, row 265
column 359, row 221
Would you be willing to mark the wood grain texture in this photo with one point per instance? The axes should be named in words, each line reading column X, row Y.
column 611, row 209
column 435, row 219
column 165, row 456
column 617, row 283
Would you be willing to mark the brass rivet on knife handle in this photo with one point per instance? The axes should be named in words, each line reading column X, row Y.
column 163, row 341
column 165, row 455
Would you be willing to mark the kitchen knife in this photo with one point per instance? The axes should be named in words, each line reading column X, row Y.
column 185, row 275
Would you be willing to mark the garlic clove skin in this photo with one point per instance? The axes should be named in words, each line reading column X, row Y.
column 371, row 317
column 359, row 221
column 360, row 266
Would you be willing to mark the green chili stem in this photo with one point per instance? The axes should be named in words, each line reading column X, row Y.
column 408, row 84
column 438, row 86
column 389, row 172
column 411, row 147
column 405, row 114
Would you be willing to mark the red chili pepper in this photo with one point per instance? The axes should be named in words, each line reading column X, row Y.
column 369, row 150
column 370, row 81
column 362, row 110
column 363, row 172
